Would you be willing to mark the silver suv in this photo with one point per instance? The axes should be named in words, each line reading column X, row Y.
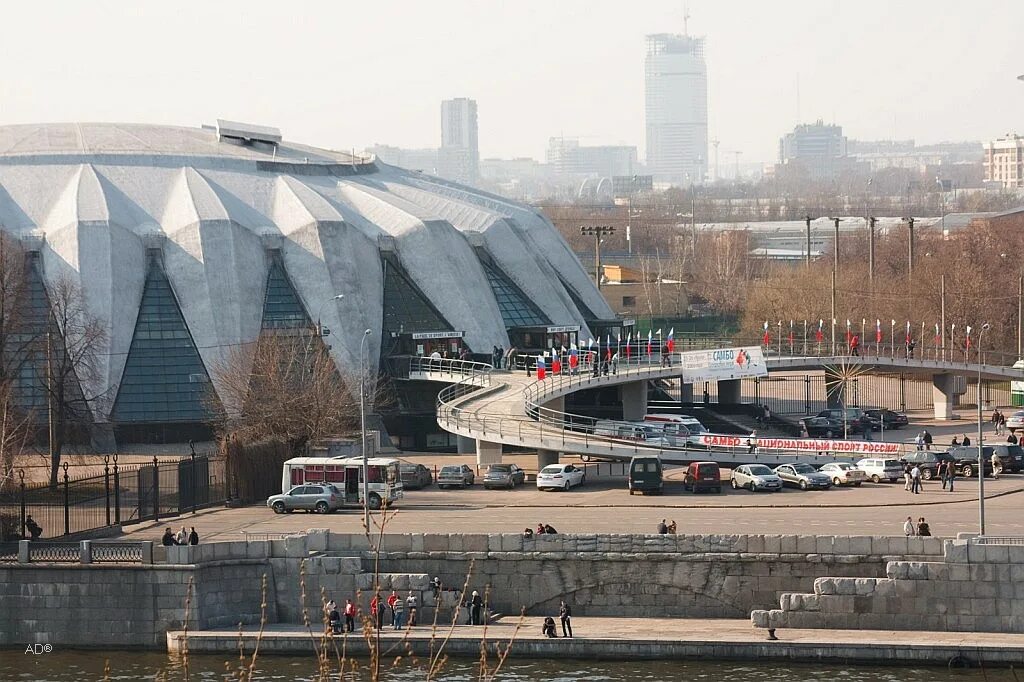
column 322, row 499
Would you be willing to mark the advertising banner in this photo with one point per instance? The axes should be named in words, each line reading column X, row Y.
column 811, row 445
column 723, row 364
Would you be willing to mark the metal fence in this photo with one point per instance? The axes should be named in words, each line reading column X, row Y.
column 121, row 494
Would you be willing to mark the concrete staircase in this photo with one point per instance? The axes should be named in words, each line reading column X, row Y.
column 979, row 586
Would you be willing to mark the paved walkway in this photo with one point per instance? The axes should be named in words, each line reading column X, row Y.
column 633, row 638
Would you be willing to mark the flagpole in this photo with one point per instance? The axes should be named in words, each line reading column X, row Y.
column 805, row 337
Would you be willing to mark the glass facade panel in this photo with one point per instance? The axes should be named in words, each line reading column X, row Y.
column 282, row 308
column 406, row 309
column 27, row 344
column 516, row 309
column 164, row 378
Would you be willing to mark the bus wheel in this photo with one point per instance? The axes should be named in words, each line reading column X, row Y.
column 375, row 501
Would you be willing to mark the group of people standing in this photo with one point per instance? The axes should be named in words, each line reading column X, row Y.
column 503, row 359
column 183, row 537
column 403, row 612
column 565, row 616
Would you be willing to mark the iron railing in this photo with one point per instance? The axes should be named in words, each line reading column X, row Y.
column 995, row 540
column 116, row 552
column 55, row 552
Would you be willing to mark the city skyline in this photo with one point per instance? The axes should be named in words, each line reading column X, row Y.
column 880, row 71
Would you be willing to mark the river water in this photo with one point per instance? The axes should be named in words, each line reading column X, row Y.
column 83, row 666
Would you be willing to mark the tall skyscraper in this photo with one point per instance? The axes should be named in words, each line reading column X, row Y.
column 459, row 157
column 676, row 89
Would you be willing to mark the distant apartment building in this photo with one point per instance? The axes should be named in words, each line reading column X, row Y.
column 425, row 160
column 676, row 108
column 813, row 151
column 566, row 156
column 459, row 156
column 1004, row 161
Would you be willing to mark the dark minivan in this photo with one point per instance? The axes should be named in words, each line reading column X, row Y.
column 645, row 475
column 703, row 476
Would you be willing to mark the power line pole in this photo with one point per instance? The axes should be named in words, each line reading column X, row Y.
column 597, row 232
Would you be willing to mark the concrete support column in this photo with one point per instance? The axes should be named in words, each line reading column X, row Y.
column 465, row 445
column 634, row 400
column 835, row 392
column 488, row 453
column 729, row 392
column 546, row 457
column 686, row 393
column 944, row 395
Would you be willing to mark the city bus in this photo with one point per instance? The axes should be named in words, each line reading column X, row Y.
column 383, row 483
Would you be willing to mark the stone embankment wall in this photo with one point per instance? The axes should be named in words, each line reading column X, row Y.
column 628, row 575
column 974, row 588
column 640, row 575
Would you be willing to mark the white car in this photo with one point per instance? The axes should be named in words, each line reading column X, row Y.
column 843, row 473
column 560, row 477
column 1015, row 420
column 878, row 468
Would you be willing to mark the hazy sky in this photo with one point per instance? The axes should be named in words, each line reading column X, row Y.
column 348, row 74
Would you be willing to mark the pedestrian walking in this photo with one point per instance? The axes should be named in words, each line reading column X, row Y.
column 752, row 443
column 476, row 605
column 922, row 528
column 803, row 429
column 907, row 478
column 193, row 536
column 997, row 466
column 943, row 472
column 398, row 614
column 926, row 434
column 965, row 441
column 411, row 606
column 919, row 441
column 950, row 474
column 392, row 600
column 915, row 479
column 565, row 615
column 350, row 616
column 855, row 345
column 909, row 529
column 377, row 611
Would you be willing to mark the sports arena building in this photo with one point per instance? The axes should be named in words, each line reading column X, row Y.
column 189, row 242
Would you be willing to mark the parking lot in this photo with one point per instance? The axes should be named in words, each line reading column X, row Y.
column 603, row 505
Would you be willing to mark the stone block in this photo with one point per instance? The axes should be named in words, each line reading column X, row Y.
column 955, row 551
column 435, row 543
column 823, row 544
column 512, row 543
column 864, row 586
column 788, row 544
column 773, row 544
column 806, row 544
column 295, row 546
column 396, row 542
column 915, row 545
column 859, row 544
column 998, row 554
column 825, row 586
column 759, row 618
column 476, row 543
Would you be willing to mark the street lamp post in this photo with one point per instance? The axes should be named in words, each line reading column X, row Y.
column 597, row 232
column 981, row 450
column 362, row 428
column 319, row 327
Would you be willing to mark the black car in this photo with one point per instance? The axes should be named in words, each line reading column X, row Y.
column 854, row 417
column 823, row 427
column 929, row 462
column 966, row 458
column 886, row 418
column 414, row 476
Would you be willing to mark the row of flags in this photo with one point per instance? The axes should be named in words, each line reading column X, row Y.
column 819, row 333
column 553, row 363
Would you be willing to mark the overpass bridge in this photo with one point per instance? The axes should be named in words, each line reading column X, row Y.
column 487, row 407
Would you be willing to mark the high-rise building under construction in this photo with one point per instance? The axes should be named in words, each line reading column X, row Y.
column 676, row 92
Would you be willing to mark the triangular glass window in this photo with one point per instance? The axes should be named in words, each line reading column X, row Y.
column 406, row 309
column 282, row 308
column 26, row 343
column 164, row 378
column 516, row 309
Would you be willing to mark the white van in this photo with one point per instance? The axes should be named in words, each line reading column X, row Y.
column 680, row 425
column 641, row 432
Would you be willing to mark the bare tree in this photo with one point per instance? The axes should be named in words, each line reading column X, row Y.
column 285, row 386
column 73, row 346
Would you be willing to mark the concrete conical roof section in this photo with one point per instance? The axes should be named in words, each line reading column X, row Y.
column 190, row 201
column 297, row 205
column 81, row 201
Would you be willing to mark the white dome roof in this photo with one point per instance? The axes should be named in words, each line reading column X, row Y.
column 94, row 197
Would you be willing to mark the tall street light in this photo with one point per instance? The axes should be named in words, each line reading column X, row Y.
column 319, row 327
column 597, row 232
column 362, row 426
column 981, row 457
